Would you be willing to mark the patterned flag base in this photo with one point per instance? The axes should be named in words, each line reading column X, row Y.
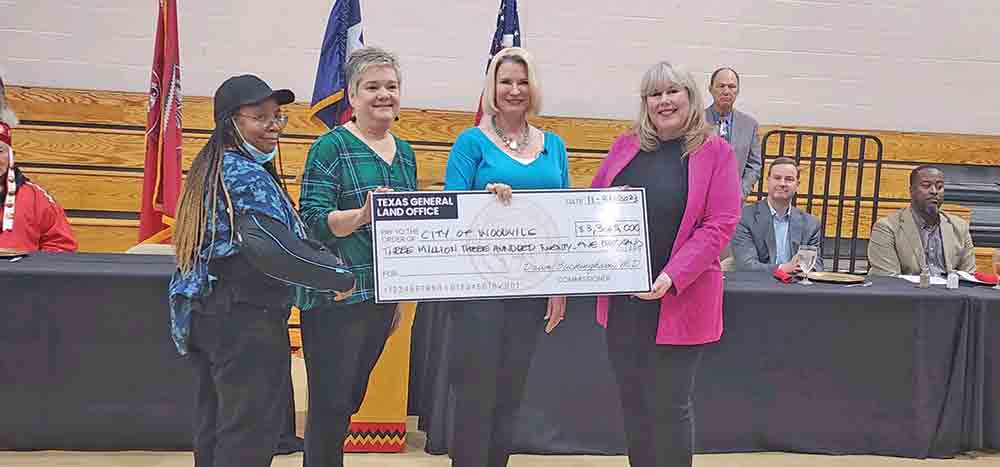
column 376, row 437
column 380, row 424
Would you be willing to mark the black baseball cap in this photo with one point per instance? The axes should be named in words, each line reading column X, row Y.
column 243, row 90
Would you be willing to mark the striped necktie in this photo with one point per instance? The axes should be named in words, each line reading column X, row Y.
column 724, row 130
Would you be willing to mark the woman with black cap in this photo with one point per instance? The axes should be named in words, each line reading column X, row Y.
column 242, row 257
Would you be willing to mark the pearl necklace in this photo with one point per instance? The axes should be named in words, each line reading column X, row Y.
column 511, row 143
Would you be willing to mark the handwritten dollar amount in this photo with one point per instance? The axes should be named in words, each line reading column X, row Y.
column 613, row 229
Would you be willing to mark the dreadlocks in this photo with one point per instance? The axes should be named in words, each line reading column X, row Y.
column 203, row 184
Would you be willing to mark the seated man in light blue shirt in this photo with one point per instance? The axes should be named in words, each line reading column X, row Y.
column 770, row 232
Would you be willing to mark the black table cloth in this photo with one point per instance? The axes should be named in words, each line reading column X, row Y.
column 985, row 431
column 888, row 369
column 86, row 360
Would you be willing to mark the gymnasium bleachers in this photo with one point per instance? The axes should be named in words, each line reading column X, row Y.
column 86, row 148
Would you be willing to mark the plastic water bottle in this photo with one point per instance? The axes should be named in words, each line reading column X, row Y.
column 952, row 280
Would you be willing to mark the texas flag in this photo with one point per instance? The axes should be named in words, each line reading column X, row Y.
column 343, row 36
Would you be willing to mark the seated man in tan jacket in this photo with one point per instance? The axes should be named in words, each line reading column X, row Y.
column 921, row 234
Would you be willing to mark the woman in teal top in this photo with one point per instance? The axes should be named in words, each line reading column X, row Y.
column 476, row 161
column 494, row 340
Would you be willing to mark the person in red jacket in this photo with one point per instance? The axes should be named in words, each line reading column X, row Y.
column 32, row 220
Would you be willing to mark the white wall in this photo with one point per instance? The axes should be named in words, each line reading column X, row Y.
column 913, row 65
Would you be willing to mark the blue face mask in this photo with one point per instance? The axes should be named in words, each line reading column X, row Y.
column 260, row 156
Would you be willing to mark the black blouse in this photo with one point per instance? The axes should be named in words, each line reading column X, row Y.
column 664, row 175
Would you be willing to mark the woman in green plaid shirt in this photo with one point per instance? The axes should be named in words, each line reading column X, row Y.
column 343, row 340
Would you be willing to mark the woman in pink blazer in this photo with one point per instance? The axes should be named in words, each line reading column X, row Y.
column 655, row 339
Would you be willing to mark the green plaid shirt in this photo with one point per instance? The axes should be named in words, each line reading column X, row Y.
column 340, row 171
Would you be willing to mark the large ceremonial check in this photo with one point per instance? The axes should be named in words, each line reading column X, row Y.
column 461, row 245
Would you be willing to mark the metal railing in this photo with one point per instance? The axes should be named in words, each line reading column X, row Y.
column 830, row 153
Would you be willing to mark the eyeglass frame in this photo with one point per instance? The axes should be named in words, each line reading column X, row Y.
column 280, row 120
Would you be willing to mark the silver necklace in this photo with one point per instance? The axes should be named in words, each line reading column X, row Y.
column 511, row 143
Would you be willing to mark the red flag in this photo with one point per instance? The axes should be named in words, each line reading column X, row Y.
column 161, row 184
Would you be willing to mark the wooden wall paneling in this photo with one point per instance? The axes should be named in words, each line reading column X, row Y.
column 86, row 148
column 984, row 259
column 441, row 127
column 931, row 148
column 104, row 235
column 865, row 219
column 91, row 190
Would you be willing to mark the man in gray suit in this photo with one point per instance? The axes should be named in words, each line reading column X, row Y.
column 738, row 128
column 770, row 232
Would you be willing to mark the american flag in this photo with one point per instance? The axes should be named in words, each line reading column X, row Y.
column 508, row 34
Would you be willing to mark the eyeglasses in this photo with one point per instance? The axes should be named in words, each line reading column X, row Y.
column 280, row 120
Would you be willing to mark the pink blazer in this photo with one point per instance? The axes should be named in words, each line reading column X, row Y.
column 691, row 312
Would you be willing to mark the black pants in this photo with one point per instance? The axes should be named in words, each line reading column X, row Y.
column 656, row 383
column 288, row 441
column 494, row 341
column 341, row 343
column 240, row 354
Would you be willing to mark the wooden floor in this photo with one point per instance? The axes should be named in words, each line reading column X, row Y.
column 415, row 457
